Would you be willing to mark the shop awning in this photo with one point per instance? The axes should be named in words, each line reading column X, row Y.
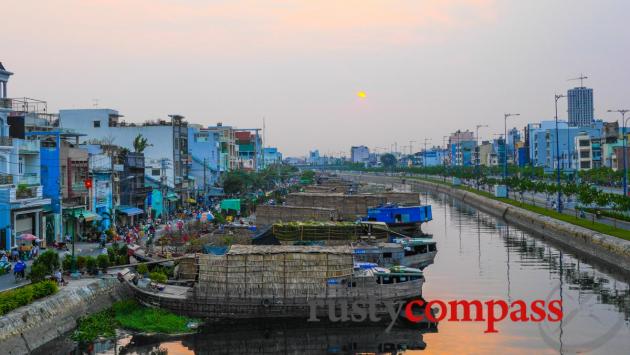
column 231, row 204
column 129, row 210
column 215, row 191
column 172, row 197
column 87, row 215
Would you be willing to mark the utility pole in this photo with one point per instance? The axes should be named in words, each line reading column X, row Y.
column 580, row 78
column 559, row 207
column 478, row 151
column 625, row 138
column 505, row 117
column 204, row 178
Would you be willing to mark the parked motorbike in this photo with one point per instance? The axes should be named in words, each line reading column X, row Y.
column 60, row 245
column 5, row 267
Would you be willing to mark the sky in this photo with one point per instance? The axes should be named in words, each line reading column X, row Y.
column 427, row 67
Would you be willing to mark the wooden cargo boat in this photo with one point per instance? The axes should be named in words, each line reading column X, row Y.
column 261, row 281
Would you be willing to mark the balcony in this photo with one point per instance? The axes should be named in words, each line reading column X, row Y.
column 6, row 142
column 28, row 146
column 6, row 179
column 25, row 192
column 5, row 103
column 30, row 179
column 78, row 188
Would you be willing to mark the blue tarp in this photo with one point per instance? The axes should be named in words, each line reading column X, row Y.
column 130, row 211
column 215, row 250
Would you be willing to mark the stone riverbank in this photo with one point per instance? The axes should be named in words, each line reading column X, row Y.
column 607, row 249
column 28, row 328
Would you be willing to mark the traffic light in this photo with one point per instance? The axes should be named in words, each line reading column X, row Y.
column 88, row 183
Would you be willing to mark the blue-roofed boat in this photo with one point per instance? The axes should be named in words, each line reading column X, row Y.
column 402, row 219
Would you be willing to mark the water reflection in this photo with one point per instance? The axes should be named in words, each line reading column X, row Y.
column 596, row 299
column 479, row 257
column 271, row 338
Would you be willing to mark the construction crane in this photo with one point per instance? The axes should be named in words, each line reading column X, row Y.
column 581, row 79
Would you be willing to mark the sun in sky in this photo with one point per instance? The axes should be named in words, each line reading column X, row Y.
column 361, row 94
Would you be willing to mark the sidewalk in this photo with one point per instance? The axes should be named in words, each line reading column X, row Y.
column 7, row 281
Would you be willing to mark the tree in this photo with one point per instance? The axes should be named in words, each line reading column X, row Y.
column 388, row 160
column 140, row 143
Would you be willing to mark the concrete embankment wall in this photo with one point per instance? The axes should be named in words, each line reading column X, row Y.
column 266, row 214
column 27, row 328
column 605, row 248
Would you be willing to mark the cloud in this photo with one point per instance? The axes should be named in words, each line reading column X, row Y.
column 238, row 26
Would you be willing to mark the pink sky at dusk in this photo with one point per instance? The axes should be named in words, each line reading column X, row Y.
column 428, row 67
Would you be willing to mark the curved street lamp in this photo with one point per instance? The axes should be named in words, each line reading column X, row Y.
column 73, row 268
column 625, row 138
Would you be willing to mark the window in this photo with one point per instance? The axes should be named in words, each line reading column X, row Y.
column 584, row 143
column 97, row 124
column 585, row 165
column 21, row 166
column 585, row 154
column 155, row 172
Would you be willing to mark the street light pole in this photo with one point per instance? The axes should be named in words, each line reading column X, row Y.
column 478, row 150
column 505, row 117
column 444, row 155
column 73, row 267
column 625, row 137
column 559, row 207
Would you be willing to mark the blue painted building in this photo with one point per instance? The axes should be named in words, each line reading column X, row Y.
column 542, row 142
column 271, row 156
column 462, row 148
column 203, row 148
column 433, row 157
column 21, row 201
column 101, row 196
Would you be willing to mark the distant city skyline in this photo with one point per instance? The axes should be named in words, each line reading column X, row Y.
column 426, row 68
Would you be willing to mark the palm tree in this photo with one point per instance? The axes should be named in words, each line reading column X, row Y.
column 140, row 144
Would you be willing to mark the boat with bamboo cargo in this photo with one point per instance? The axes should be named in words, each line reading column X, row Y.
column 279, row 281
column 330, row 232
column 369, row 241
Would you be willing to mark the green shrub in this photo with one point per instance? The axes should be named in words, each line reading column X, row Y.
column 123, row 250
column 10, row 300
column 66, row 264
column 166, row 270
column 91, row 265
column 143, row 269
column 44, row 288
column 81, row 260
column 38, row 273
column 103, row 261
column 122, row 260
column 100, row 324
column 158, row 277
column 111, row 253
column 25, row 297
column 49, row 259
column 129, row 314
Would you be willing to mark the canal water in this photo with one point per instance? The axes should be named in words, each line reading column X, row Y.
column 479, row 258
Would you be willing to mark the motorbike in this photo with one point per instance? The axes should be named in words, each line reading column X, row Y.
column 5, row 267
column 60, row 245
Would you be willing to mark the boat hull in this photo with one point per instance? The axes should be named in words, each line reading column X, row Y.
column 225, row 309
column 419, row 260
